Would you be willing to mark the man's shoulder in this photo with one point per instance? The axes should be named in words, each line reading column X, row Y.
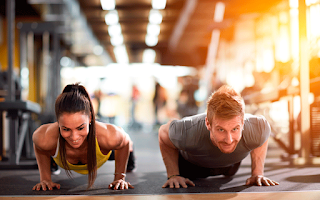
column 254, row 119
column 187, row 131
column 190, row 122
column 195, row 118
column 256, row 130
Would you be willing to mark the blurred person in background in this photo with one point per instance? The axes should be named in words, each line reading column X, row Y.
column 97, row 104
column 186, row 104
column 135, row 95
column 159, row 101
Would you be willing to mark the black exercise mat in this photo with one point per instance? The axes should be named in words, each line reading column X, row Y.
column 150, row 175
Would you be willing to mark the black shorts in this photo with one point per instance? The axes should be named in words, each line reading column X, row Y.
column 192, row 171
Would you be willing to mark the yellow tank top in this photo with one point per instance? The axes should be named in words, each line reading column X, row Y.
column 82, row 169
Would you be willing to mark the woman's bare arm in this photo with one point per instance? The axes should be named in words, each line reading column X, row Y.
column 111, row 137
column 44, row 142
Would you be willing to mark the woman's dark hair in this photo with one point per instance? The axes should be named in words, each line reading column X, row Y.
column 73, row 99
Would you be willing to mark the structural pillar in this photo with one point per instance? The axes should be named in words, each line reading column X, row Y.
column 10, row 14
column 304, row 85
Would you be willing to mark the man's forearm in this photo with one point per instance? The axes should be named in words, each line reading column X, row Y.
column 170, row 158
column 170, row 154
column 258, row 156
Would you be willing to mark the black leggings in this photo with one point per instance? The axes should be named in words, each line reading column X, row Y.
column 192, row 171
column 131, row 160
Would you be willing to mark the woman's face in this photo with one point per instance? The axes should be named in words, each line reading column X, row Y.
column 74, row 128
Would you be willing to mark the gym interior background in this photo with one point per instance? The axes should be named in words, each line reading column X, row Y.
column 269, row 51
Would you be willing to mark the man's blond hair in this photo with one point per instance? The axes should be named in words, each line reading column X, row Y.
column 225, row 103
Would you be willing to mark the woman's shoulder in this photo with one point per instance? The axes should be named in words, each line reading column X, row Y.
column 46, row 136
column 108, row 135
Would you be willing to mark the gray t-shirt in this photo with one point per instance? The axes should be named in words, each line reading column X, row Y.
column 191, row 136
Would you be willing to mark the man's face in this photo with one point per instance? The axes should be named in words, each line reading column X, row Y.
column 225, row 133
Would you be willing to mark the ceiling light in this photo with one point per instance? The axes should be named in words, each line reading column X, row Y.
column 108, row 4
column 151, row 40
column 153, row 29
column 117, row 40
column 148, row 56
column 114, row 30
column 159, row 4
column 155, row 17
column 65, row 61
column 112, row 17
column 219, row 12
column 97, row 50
column 121, row 54
column 294, row 3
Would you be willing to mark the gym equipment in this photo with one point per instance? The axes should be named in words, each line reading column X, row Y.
column 19, row 112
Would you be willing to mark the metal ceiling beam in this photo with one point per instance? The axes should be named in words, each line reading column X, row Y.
column 46, row 1
column 183, row 20
column 71, row 14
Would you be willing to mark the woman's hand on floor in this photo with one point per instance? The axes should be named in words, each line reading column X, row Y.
column 46, row 184
column 120, row 185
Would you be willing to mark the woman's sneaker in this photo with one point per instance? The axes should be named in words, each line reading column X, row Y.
column 54, row 168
